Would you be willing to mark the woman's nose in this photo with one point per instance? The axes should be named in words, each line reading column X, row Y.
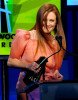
column 48, row 23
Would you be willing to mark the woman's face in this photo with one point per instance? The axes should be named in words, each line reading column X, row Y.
column 49, row 23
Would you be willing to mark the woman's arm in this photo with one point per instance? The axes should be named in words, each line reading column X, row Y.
column 16, row 63
column 19, row 64
column 17, row 49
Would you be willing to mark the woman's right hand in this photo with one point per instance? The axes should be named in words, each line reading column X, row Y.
column 33, row 66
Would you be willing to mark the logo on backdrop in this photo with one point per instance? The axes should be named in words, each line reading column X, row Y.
column 4, row 9
column 5, row 24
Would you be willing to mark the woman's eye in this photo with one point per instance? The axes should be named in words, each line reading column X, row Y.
column 52, row 20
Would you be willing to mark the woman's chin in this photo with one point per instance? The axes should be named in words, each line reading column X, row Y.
column 47, row 32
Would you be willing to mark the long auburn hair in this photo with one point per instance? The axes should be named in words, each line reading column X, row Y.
column 45, row 9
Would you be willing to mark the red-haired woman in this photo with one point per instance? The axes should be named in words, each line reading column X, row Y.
column 29, row 46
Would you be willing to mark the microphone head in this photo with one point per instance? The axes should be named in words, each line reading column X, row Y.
column 59, row 39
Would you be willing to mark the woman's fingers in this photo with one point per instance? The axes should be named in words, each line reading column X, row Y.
column 33, row 66
column 59, row 77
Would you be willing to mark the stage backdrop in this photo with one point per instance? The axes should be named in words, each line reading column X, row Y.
column 18, row 14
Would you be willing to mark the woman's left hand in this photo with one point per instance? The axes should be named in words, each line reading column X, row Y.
column 57, row 75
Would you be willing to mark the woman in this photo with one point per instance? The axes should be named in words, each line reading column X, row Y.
column 28, row 46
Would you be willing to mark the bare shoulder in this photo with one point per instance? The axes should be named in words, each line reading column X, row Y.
column 33, row 34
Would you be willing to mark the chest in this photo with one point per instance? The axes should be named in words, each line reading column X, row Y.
column 30, row 50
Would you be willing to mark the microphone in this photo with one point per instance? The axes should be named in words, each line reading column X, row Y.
column 59, row 39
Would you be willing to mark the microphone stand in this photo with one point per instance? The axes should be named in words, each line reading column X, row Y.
column 31, row 78
column 60, row 38
column 71, row 54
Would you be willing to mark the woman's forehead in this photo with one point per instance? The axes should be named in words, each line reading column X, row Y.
column 50, row 14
